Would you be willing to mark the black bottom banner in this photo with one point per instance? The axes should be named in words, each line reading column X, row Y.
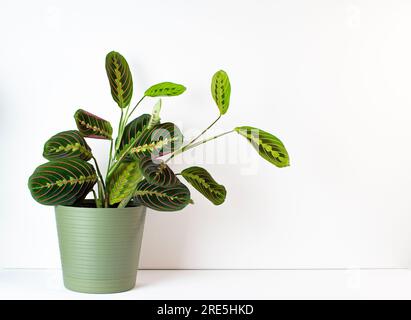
column 208, row 309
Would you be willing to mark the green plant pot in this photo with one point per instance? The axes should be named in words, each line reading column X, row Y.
column 100, row 247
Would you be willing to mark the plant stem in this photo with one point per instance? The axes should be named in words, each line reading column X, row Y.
column 126, row 115
column 193, row 140
column 99, row 174
column 110, row 158
column 205, row 130
column 96, row 199
column 112, row 166
column 123, row 125
column 123, row 121
column 188, row 147
column 139, row 101
column 119, row 130
column 206, row 140
column 122, row 156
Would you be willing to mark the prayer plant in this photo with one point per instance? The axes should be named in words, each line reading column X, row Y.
column 136, row 173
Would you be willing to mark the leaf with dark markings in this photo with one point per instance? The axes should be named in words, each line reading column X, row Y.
column 67, row 144
column 160, row 198
column 157, row 172
column 165, row 89
column 123, row 181
column 92, row 126
column 132, row 131
column 268, row 146
column 157, row 141
column 120, row 79
column 62, row 182
column 221, row 90
column 200, row 179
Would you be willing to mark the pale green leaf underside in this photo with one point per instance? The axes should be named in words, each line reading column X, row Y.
column 123, row 181
column 155, row 115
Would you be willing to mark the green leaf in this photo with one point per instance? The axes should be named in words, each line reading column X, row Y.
column 200, row 179
column 155, row 115
column 165, row 89
column 268, row 146
column 120, row 79
column 221, row 90
column 92, row 126
column 122, row 183
column 132, row 131
column 67, row 144
column 160, row 198
column 157, row 172
column 159, row 140
column 62, row 182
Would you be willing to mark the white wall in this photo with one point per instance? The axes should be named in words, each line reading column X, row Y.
column 331, row 78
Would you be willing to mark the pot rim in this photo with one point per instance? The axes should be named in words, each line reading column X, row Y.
column 99, row 209
column 91, row 202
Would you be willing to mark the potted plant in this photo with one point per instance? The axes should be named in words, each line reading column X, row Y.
column 100, row 238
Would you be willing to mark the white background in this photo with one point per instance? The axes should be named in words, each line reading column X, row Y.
column 332, row 79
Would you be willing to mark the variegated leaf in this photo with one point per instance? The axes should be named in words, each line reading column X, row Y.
column 67, row 144
column 221, row 90
column 160, row 198
column 200, row 179
column 268, row 146
column 165, row 89
column 132, row 131
column 92, row 126
column 62, row 182
column 157, row 141
column 157, row 172
column 123, row 181
column 120, row 79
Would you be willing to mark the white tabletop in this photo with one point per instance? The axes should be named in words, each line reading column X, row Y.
column 223, row 284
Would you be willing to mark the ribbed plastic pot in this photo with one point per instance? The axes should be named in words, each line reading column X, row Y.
column 100, row 247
